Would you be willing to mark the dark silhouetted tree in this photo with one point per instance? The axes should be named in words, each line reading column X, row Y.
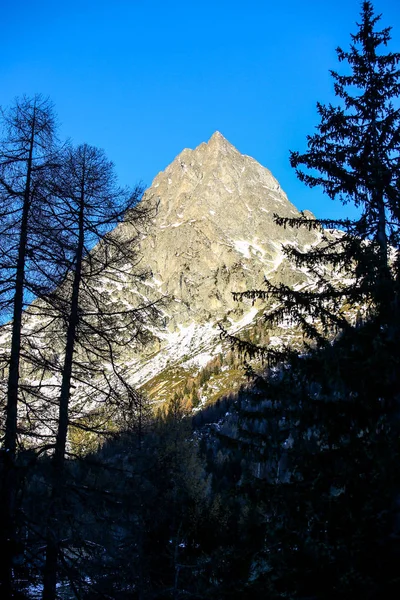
column 355, row 157
column 328, row 464
column 27, row 159
column 98, row 327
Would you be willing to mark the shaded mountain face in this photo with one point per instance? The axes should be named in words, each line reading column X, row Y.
column 213, row 234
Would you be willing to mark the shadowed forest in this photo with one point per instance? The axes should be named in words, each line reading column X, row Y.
column 287, row 488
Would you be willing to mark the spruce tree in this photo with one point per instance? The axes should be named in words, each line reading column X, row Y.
column 355, row 158
column 329, row 444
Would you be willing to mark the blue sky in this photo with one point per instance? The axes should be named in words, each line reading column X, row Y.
column 145, row 79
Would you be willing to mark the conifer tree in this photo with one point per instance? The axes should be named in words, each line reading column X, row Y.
column 28, row 155
column 333, row 412
column 355, row 157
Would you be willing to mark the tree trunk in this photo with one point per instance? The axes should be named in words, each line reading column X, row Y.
column 384, row 291
column 9, row 476
column 58, row 466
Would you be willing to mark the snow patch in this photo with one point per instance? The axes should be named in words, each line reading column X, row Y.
column 275, row 341
column 279, row 257
column 248, row 249
column 242, row 247
column 178, row 345
column 245, row 320
column 200, row 360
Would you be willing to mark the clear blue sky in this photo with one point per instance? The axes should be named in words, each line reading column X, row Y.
column 145, row 78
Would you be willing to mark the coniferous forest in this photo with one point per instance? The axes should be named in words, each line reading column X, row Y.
column 288, row 488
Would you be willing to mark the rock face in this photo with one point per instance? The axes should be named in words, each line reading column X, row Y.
column 213, row 234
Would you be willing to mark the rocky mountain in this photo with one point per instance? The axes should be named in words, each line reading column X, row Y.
column 213, row 234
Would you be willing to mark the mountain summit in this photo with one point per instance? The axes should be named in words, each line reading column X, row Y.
column 213, row 234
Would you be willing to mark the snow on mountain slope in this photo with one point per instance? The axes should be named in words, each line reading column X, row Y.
column 213, row 234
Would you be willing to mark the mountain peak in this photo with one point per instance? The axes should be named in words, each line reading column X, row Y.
column 214, row 234
column 217, row 137
column 218, row 142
